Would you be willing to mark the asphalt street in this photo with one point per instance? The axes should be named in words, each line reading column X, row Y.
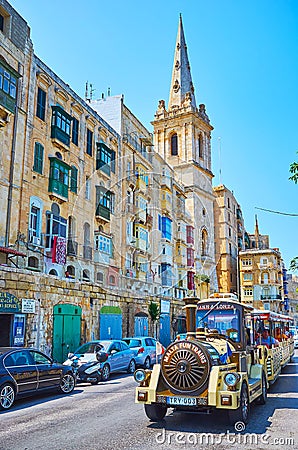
column 105, row 417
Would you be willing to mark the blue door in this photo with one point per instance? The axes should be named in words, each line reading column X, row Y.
column 141, row 326
column 165, row 329
column 110, row 323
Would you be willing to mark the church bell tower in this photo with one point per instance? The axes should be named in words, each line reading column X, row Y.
column 182, row 136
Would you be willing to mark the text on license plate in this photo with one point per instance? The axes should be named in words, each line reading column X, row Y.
column 182, row 401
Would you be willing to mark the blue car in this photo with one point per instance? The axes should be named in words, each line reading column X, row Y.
column 120, row 358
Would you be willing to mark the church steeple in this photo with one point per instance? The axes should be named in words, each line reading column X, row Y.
column 181, row 86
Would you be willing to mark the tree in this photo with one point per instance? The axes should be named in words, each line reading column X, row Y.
column 294, row 177
column 154, row 313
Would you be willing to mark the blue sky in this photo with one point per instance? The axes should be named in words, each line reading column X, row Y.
column 244, row 65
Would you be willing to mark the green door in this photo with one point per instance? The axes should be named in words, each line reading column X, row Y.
column 66, row 330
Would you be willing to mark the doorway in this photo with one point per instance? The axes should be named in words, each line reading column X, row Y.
column 5, row 329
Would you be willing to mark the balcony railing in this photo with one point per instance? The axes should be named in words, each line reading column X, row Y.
column 271, row 297
column 103, row 212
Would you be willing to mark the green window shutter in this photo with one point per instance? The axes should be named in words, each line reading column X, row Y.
column 38, row 158
column 74, row 179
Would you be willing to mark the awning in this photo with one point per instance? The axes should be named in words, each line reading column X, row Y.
column 11, row 251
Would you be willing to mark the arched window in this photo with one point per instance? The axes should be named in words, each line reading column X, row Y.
column 112, row 279
column 174, row 144
column 33, row 262
column 53, row 272
column 204, row 242
column 99, row 277
column 200, row 146
column 86, row 233
column 265, row 278
column 70, row 271
column 86, row 275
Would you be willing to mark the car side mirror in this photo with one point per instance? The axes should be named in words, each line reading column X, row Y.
column 113, row 351
column 101, row 356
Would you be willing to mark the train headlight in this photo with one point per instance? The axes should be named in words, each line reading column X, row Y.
column 140, row 375
column 231, row 379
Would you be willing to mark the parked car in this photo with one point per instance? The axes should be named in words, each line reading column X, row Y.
column 28, row 371
column 145, row 348
column 295, row 340
column 120, row 357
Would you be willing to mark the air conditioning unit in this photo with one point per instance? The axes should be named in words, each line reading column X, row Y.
column 35, row 240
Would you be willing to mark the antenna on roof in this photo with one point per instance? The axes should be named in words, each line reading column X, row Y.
column 89, row 91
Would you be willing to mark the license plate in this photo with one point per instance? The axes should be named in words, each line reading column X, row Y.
column 182, row 401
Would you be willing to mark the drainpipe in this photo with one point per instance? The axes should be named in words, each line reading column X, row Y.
column 12, row 160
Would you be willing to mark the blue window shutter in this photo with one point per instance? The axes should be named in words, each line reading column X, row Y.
column 159, row 222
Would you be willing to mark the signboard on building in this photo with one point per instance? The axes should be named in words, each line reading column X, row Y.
column 9, row 303
column 28, row 306
column 165, row 306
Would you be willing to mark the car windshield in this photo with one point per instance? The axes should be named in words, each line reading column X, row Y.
column 90, row 347
column 224, row 320
column 133, row 342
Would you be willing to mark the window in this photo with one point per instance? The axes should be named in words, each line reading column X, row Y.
column 70, row 272
column 41, row 104
column 1, row 22
column 88, row 188
column 86, row 275
column 38, row 158
column 174, row 144
column 33, row 262
column 103, row 202
column 8, row 83
column 55, row 225
column 112, row 280
column 190, row 281
column 59, row 176
column 75, row 131
column 246, row 262
column 248, row 292
column 265, row 278
column 99, row 277
column 166, row 275
column 61, row 121
column 189, row 234
column 247, row 276
column 39, row 358
column 89, row 145
column 204, row 242
column 190, row 257
column 103, row 244
column 165, row 226
column 34, row 223
column 200, row 145
column 74, row 179
column 105, row 158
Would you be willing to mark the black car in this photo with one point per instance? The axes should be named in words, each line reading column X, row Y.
column 28, row 371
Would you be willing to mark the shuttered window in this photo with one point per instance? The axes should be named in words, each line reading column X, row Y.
column 38, row 157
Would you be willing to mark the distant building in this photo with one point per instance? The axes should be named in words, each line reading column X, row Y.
column 261, row 275
column 229, row 238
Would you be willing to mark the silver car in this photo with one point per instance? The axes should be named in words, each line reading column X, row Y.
column 145, row 350
column 120, row 356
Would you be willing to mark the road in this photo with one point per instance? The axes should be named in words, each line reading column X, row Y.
column 105, row 417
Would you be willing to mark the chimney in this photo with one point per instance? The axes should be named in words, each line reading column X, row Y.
column 190, row 309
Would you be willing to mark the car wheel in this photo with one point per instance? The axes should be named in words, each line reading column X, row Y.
column 263, row 397
column 105, row 374
column 147, row 363
column 241, row 414
column 7, row 396
column 67, row 383
column 155, row 412
column 132, row 366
